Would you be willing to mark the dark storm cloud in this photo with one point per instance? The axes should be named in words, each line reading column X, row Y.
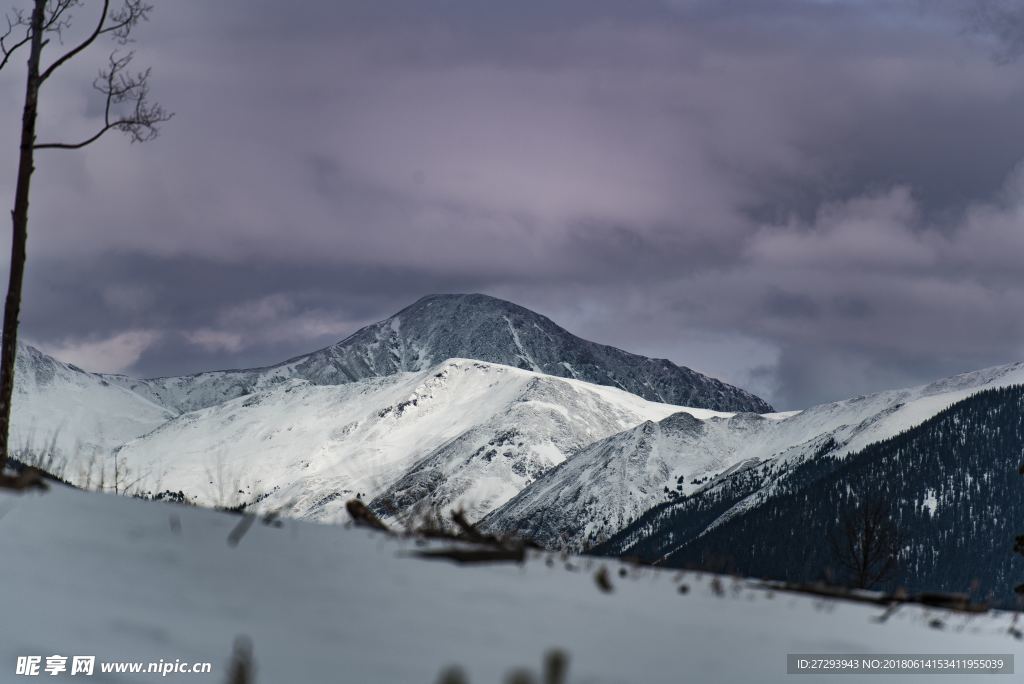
column 1004, row 21
column 811, row 198
column 251, row 313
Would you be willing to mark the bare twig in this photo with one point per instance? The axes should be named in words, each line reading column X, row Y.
column 81, row 46
column 16, row 21
column 122, row 87
column 471, row 556
column 241, row 529
column 470, row 532
column 364, row 517
column 948, row 601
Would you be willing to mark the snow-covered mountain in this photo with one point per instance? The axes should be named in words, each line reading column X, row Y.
column 85, row 414
column 472, row 326
column 561, row 460
column 950, row 486
column 608, row 485
column 383, row 414
column 75, row 411
column 463, row 433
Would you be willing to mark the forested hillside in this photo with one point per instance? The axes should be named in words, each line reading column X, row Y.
column 950, row 486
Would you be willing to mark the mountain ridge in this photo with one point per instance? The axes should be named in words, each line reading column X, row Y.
column 591, row 496
column 58, row 405
column 950, row 484
column 462, row 433
column 443, row 326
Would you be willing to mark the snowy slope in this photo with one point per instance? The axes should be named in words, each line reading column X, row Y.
column 950, row 482
column 472, row 326
column 78, row 412
column 609, row 484
column 463, row 433
column 320, row 603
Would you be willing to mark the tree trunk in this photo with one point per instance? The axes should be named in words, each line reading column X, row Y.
column 19, row 233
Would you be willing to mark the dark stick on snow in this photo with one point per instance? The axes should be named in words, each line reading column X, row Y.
column 470, row 532
column 240, row 529
column 473, row 556
column 363, row 516
column 241, row 670
column 556, row 666
column 28, row 478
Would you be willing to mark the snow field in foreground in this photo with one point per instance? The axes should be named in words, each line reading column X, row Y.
column 90, row 574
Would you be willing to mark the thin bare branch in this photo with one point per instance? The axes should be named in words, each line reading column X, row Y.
column 126, row 18
column 126, row 92
column 58, row 17
column 867, row 543
column 15, row 20
column 121, row 22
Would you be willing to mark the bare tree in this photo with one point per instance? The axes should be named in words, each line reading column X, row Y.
column 125, row 480
column 127, row 109
column 866, row 544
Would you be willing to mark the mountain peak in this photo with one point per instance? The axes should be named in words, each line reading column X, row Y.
column 474, row 297
column 470, row 326
column 486, row 328
column 468, row 301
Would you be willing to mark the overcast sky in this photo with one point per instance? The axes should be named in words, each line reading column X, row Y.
column 809, row 199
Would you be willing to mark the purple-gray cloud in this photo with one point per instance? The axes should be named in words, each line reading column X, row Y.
column 812, row 199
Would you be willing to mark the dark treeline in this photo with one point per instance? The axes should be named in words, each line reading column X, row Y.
column 950, row 485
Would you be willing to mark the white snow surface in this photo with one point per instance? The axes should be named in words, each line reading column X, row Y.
column 462, row 434
column 127, row 580
column 603, row 488
column 75, row 411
